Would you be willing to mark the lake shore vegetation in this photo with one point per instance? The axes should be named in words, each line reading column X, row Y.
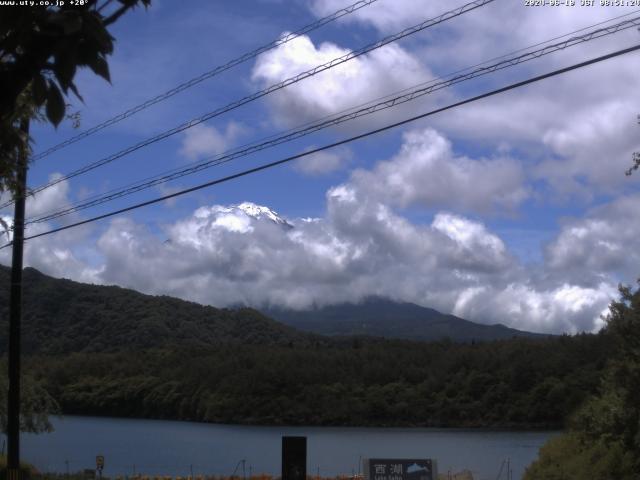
column 603, row 439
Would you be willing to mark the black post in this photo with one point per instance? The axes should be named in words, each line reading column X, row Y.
column 15, row 316
column 294, row 458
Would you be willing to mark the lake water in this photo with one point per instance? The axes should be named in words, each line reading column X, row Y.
column 154, row 447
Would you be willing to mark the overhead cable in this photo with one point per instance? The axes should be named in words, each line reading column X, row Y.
column 273, row 88
column 389, row 102
column 206, row 75
column 341, row 142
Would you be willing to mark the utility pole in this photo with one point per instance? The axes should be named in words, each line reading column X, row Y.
column 15, row 314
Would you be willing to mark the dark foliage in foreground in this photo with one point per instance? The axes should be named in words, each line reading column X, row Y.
column 604, row 439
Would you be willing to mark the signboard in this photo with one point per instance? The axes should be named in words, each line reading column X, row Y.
column 400, row 469
column 99, row 462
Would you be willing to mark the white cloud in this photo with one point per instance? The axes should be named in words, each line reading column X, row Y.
column 58, row 254
column 385, row 16
column 476, row 245
column 566, row 308
column 357, row 81
column 478, row 34
column 594, row 147
column 226, row 255
column 426, row 172
column 577, row 130
column 603, row 244
column 222, row 255
column 51, row 199
column 44, row 202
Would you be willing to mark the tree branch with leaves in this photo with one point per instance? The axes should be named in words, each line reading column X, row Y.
column 41, row 49
column 636, row 159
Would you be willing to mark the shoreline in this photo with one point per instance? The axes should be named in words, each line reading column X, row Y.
column 171, row 447
column 398, row 427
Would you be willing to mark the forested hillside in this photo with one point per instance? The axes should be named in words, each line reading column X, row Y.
column 111, row 351
column 515, row 383
column 62, row 316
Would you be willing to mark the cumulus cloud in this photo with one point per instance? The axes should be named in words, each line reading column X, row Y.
column 578, row 147
column 576, row 132
column 41, row 203
column 48, row 200
column 426, row 172
column 357, row 81
column 60, row 255
column 593, row 148
column 477, row 35
column 227, row 255
column 567, row 308
column 385, row 16
column 476, row 247
column 577, row 129
column 246, row 254
column 603, row 244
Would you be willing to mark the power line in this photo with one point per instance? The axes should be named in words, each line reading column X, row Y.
column 275, row 87
column 389, row 102
column 206, row 75
column 513, row 52
column 178, row 173
column 341, row 142
column 168, row 175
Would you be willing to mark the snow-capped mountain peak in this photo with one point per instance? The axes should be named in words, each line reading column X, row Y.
column 258, row 211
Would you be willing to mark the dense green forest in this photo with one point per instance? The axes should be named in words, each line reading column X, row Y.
column 515, row 383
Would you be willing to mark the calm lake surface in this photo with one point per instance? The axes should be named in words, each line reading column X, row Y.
column 174, row 448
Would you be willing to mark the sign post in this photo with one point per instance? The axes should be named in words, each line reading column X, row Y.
column 99, row 464
column 400, row 469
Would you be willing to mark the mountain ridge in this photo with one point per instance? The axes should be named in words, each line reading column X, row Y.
column 62, row 316
column 379, row 316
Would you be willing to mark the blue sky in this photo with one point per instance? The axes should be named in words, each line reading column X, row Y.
column 514, row 209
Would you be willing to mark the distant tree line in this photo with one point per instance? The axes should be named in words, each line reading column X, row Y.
column 358, row 381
